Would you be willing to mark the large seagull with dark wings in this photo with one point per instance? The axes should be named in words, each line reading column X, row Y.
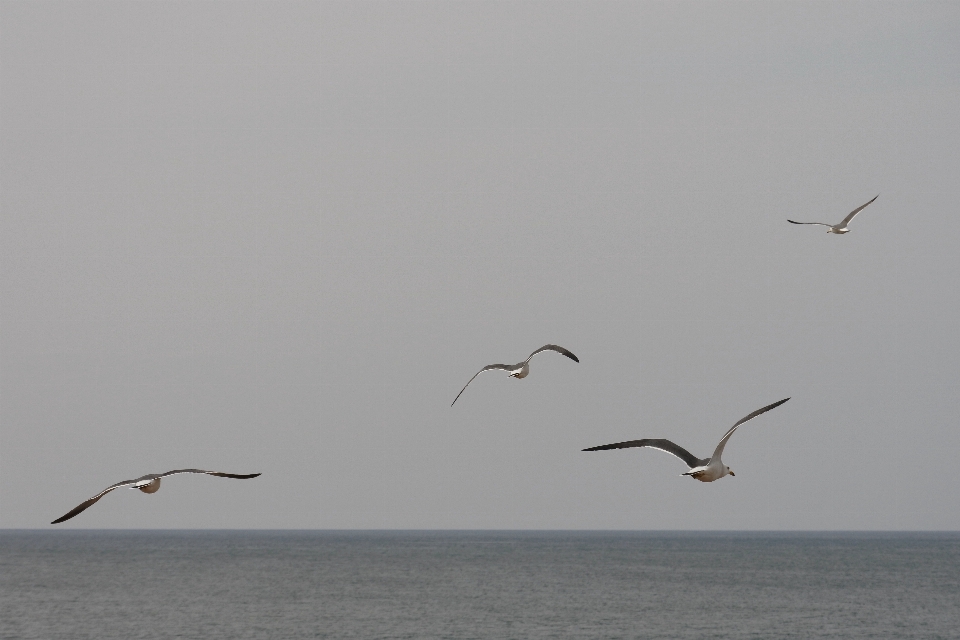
column 704, row 470
column 149, row 483
column 841, row 227
column 519, row 370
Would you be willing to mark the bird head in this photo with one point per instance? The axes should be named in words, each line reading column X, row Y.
column 730, row 471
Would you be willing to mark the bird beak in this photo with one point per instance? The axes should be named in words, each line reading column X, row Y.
column 733, row 474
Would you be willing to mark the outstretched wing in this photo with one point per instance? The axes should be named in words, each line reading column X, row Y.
column 856, row 211
column 822, row 224
column 726, row 436
column 558, row 349
column 220, row 474
column 84, row 505
column 663, row 445
column 502, row 367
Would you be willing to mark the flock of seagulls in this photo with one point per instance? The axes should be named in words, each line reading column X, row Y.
column 702, row 469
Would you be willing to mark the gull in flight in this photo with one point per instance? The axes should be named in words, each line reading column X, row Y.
column 706, row 470
column 842, row 227
column 519, row 370
column 149, row 483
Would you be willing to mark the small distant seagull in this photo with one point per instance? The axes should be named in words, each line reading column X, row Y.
column 148, row 484
column 519, row 370
column 842, row 227
column 706, row 470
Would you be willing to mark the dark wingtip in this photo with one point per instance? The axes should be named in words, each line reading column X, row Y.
column 235, row 476
column 788, row 220
column 572, row 357
column 63, row 518
column 777, row 404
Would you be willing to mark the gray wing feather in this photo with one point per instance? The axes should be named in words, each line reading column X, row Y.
column 557, row 348
column 220, row 474
column 661, row 444
column 856, row 211
column 502, row 367
column 822, row 224
column 88, row 503
column 726, row 436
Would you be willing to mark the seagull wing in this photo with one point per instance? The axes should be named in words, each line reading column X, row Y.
column 84, row 505
column 503, row 367
column 210, row 473
column 856, row 211
column 822, row 224
column 726, row 436
column 663, row 445
column 558, row 349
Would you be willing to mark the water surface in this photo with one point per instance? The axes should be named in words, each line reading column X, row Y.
column 309, row 584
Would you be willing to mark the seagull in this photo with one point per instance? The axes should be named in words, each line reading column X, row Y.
column 149, row 483
column 706, row 470
column 519, row 370
column 842, row 227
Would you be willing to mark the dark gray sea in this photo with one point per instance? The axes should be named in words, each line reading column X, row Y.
column 306, row 584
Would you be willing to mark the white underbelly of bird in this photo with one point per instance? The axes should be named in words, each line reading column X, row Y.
column 152, row 487
column 708, row 473
column 521, row 372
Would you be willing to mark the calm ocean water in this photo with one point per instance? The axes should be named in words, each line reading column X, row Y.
column 251, row 584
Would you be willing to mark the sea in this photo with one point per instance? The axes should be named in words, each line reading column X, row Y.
column 477, row 584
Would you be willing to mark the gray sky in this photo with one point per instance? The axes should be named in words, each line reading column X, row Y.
column 280, row 237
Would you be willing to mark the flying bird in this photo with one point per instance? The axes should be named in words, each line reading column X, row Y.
column 149, row 483
column 519, row 370
column 842, row 227
column 706, row 470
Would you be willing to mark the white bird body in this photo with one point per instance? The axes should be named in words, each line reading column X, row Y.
column 705, row 469
column 522, row 372
column 709, row 472
column 150, row 487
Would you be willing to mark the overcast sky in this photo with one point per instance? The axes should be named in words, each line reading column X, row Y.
column 279, row 237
